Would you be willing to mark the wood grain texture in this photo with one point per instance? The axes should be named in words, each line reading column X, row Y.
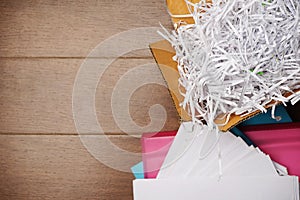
column 59, row 167
column 36, row 96
column 53, row 28
column 42, row 46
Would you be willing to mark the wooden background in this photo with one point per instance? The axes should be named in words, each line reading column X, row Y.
column 42, row 45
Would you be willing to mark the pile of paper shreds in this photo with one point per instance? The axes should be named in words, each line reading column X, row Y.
column 239, row 57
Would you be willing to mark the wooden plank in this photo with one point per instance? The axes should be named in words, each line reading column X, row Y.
column 36, row 96
column 72, row 28
column 59, row 167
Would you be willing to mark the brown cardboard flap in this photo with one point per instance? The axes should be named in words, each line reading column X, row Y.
column 163, row 54
column 179, row 7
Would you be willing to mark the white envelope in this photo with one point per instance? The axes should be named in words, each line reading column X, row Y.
column 228, row 188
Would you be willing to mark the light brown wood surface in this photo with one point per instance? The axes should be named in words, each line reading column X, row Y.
column 59, row 167
column 67, row 28
column 42, row 46
column 36, row 95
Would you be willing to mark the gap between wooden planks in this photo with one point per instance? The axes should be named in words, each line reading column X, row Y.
column 42, row 45
column 36, row 96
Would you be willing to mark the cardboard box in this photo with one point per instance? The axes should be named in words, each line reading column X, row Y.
column 163, row 54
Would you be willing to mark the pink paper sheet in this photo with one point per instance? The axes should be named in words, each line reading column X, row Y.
column 155, row 147
column 280, row 141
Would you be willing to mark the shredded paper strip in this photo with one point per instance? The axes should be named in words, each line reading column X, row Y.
column 238, row 57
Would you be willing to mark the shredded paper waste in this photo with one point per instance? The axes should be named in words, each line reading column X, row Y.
column 238, row 57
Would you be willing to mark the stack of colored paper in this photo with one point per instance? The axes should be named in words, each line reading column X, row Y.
column 205, row 164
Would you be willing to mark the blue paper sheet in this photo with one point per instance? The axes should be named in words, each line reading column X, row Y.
column 138, row 170
column 263, row 118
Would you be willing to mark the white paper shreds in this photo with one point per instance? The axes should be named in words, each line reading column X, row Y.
column 238, row 56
